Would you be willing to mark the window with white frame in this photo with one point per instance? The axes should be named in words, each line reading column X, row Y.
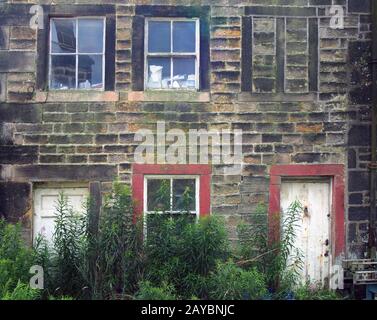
column 172, row 53
column 171, row 194
column 77, row 53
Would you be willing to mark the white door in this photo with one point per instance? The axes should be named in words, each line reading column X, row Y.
column 313, row 230
column 45, row 202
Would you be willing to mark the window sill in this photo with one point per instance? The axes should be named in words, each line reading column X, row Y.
column 77, row 96
column 169, row 96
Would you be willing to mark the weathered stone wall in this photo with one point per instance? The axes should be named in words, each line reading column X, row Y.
column 314, row 110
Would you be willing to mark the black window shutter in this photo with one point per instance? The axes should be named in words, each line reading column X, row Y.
column 110, row 53
column 138, row 53
column 204, row 52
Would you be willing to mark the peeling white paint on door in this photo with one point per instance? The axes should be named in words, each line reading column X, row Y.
column 313, row 230
column 45, row 201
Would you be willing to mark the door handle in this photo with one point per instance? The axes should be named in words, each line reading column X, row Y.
column 327, row 242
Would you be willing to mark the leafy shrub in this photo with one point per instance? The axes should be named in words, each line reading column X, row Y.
column 281, row 262
column 22, row 291
column 314, row 292
column 148, row 292
column 231, row 282
column 15, row 258
column 181, row 252
column 99, row 264
column 119, row 244
column 179, row 258
column 63, row 260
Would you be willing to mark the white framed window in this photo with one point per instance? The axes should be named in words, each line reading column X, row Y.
column 173, row 194
column 172, row 49
column 77, row 53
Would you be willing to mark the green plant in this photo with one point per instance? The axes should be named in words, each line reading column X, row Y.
column 68, row 238
column 288, row 262
column 22, row 291
column 15, row 258
column 183, row 253
column 253, row 246
column 149, row 292
column 280, row 261
column 90, row 262
column 119, row 244
column 44, row 259
column 314, row 292
column 230, row 282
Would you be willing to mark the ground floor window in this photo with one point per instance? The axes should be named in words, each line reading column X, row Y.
column 171, row 194
column 171, row 189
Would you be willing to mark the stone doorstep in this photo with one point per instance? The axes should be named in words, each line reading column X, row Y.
column 76, row 96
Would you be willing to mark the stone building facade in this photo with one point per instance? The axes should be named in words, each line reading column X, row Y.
column 297, row 87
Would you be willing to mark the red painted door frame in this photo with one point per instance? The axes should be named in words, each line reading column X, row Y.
column 201, row 170
column 333, row 171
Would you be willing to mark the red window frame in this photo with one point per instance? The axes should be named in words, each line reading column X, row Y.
column 336, row 173
column 203, row 171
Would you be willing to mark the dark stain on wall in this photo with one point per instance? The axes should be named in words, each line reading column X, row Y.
column 15, row 200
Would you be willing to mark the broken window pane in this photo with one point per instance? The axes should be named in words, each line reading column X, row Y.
column 158, row 196
column 159, row 36
column 63, row 72
column 184, row 73
column 184, row 36
column 184, row 195
column 90, row 72
column 63, row 36
column 159, row 75
column 90, row 38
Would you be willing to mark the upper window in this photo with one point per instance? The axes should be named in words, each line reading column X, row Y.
column 77, row 53
column 172, row 53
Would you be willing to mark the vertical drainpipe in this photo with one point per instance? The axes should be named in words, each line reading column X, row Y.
column 373, row 165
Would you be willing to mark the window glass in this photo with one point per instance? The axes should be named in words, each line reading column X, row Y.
column 184, row 36
column 184, row 195
column 171, row 195
column 158, row 198
column 159, row 70
column 90, row 35
column 63, row 72
column 184, row 73
column 159, row 36
column 80, row 67
column 171, row 55
column 90, row 72
column 63, row 36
